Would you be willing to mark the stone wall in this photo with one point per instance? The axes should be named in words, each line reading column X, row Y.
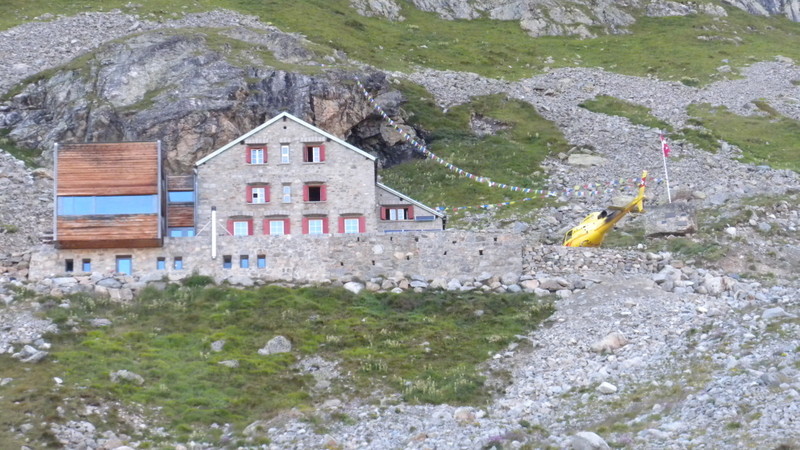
column 304, row 258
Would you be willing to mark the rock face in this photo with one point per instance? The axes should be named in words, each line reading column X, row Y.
column 194, row 94
column 565, row 17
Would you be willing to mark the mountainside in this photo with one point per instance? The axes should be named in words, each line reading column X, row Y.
column 560, row 17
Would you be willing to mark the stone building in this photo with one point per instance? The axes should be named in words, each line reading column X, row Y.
column 261, row 202
column 289, row 177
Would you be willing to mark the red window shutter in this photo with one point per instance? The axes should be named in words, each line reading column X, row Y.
column 248, row 197
column 266, row 153
column 384, row 213
column 250, row 227
column 305, row 192
column 341, row 224
column 362, row 224
column 322, row 152
column 230, row 226
column 323, row 193
column 247, row 155
column 266, row 194
column 265, row 226
column 286, row 226
column 325, row 225
column 305, row 225
column 306, row 151
column 410, row 212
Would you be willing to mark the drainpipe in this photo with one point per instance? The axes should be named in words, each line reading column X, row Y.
column 213, row 232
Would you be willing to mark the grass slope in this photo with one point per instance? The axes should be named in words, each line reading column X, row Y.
column 688, row 48
column 424, row 346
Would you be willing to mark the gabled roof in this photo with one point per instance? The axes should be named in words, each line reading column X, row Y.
column 275, row 119
column 410, row 200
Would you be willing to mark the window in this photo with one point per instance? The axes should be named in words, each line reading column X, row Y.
column 109, row 204
column 161, row 263
column 177, row 263
column 276, row 227
column 86, row 265
column 226, row 262
column 240, row 227
column 314, row 153
column 285, row 154
column 257, row 194
column 69, row 265
column 256, row 155
column 181, row 231
column 315, row 225
column 261, row 261
column 244, row 261
column 180, row 196
column 124, row 264
column 287, row 194
column 351, row 224
column 397, row 213
column 315, row 193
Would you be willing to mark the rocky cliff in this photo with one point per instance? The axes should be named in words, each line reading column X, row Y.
column 576, row 17
column 195, row 90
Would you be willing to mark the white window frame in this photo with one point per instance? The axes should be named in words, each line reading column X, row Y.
column 352, row 225
column 256, row 156
column 241, row 228
column 261, row 197
column 316, row 153
column 315, row 226
column 285, row 154
column 286, row 194
column 398, row 214
column 277, row 227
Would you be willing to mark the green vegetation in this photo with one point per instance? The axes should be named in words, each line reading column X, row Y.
column 423, row 345
column 637, row 114
column 696, row 44
column 770, row 139
column 512, row 156
column 25, row 155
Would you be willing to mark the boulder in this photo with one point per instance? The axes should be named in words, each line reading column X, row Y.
column 586, row 440
column 611, row 342
column 606, row 388
column 125, row 375
column 217, row 346
column 670, row 219
column 354, row 286
column 278, row 344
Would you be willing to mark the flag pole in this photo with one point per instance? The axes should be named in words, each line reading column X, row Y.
column 664, row 153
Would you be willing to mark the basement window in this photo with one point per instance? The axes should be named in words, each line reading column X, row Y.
column 227, row 261
column 161, row 263
column 177, row 263
column 69, row 265
column 244, row 262
column 86, row 265
column 261, row 261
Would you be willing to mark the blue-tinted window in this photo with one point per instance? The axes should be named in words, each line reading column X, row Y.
column 124, row 264
column 226, row 262
column 178, row 263
column 181, row 196
column 111, row 204
column 86, row 265
column 261, row 261
column 181, row 232
column 244, row 262
column 161, row 263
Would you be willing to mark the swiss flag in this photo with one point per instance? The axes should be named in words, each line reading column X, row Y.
column 664, row 146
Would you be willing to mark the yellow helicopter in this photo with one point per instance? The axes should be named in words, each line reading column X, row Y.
column 592, row 229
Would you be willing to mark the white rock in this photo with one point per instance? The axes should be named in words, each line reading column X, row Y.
column 606, row 388
column 354, row 287
column 586, row 440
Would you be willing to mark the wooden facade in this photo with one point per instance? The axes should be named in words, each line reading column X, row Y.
column 109, row 169
column 180, row 215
